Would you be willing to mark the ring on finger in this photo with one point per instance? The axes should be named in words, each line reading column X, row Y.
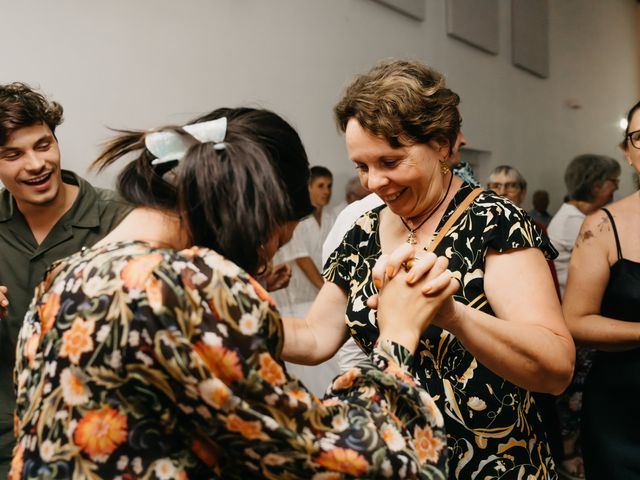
column 408, row 265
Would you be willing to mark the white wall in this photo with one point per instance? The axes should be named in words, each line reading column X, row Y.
column 142, row 63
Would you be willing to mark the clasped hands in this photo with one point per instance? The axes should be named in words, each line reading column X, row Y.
column 413, row 289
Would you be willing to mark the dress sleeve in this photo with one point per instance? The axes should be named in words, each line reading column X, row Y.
column 248, row 414
column 508, row 227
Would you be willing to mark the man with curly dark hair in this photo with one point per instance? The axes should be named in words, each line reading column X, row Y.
column 46, row 213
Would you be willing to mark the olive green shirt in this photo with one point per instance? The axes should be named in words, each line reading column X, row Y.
column 23, row 262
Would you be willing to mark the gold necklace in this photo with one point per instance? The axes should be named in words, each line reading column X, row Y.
column 411, row 239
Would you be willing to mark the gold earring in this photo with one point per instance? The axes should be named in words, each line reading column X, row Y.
column 444, row 168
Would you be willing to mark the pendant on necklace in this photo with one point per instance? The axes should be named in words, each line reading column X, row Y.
column 411, row 239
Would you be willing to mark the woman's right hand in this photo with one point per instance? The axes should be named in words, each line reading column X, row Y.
column 408, row 300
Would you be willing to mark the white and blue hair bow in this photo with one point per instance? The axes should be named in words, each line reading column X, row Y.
column 169, row 145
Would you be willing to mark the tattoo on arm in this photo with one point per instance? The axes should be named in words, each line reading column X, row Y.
column 583, row 237
column 602, row 226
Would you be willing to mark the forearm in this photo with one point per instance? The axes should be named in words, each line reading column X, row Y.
column 310, row 271
column 299, row 342
column 604, row 333
column 528, row 355
column 323, row 331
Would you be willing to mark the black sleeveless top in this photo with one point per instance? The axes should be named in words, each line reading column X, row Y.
column 610, row 422
column 621, row 299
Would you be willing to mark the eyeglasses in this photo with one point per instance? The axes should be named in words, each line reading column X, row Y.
column 634, row 138
column 508, row 186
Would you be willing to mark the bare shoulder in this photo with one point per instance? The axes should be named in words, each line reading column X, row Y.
column 629, row 207
column 596, row 228
column 625, row 213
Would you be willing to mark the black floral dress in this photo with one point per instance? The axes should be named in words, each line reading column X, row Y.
column 136, row 362
column 493, row 427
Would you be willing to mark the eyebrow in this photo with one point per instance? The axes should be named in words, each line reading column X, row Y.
column 45, row 138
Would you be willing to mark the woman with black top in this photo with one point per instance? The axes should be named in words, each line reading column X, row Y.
column 601, row 306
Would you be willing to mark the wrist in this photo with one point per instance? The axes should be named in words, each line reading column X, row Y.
column 459, row 314
column 407, row 339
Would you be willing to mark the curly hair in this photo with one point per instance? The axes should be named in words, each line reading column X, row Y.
column 21, row 106
column 403, row 101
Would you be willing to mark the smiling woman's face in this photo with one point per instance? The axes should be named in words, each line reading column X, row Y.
column 408, row 179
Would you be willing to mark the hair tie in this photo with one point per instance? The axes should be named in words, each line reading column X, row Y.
column 169, row 145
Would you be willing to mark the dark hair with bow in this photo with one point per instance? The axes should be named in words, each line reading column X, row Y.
column 232, row 198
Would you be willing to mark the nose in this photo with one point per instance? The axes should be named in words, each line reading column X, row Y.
column 461, row 140
column 34, row 162
column 375, row 180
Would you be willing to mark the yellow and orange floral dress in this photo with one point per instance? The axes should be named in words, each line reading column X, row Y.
column 135, row 362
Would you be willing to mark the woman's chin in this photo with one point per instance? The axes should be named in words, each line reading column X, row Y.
column 397, row 210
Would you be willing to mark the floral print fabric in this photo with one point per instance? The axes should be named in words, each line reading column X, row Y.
column 493, row 427
column 135, row 362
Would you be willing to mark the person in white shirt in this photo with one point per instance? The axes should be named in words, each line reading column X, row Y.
column 591, row 181
column 304, row 254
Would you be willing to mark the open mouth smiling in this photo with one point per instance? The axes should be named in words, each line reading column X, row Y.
column 38, row 180
column 391, row 198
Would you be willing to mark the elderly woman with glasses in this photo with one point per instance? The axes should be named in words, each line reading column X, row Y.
column 495, row 338
column 601, row 304
column 509, row 183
